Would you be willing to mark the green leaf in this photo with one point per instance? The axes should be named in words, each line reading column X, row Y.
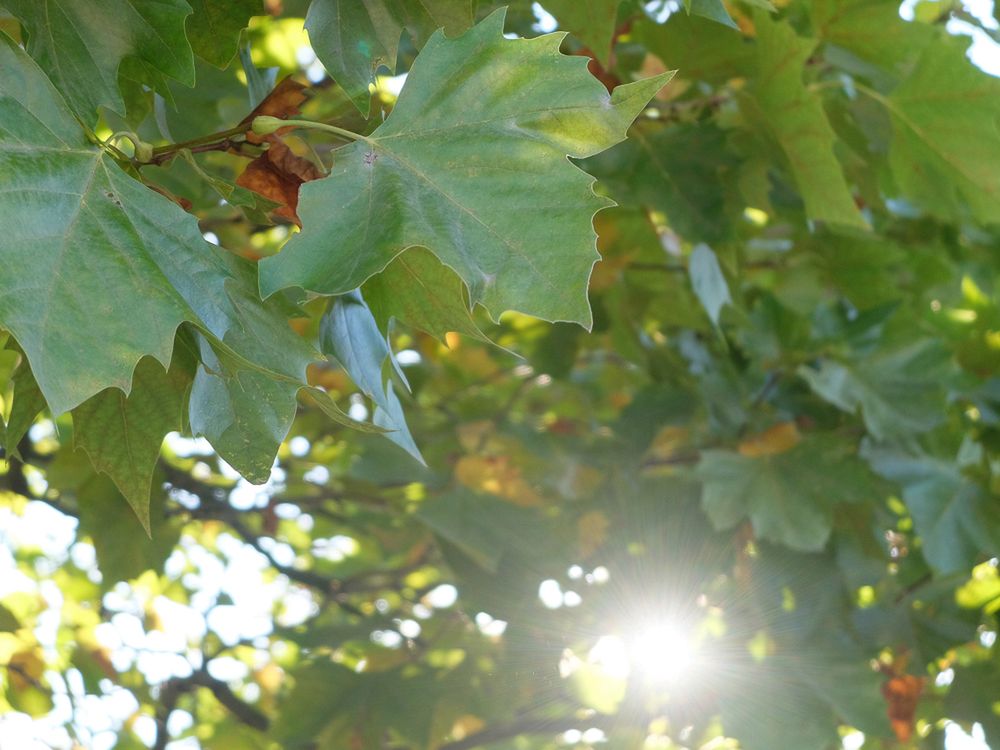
column 955, row 517
column 27, row 403
column 254, row 205
column 123, row 551
column 321, row 399
column 8, row 622
column 485, row 528
column 349, row 334
column 794, row 117
column 391, row 418
column 700, row 49
column 714, row 10
column 353, row 39
column 894, row 392
column 874, row 32
column 458, row 167
column 243, row 413
column 418, row 290
column 80, row 45
column 105, row 270
column 822, row 685
column 590, row 21
column 122, row 434
column 708, row 282
column 681, row 171
column 215, row 25
column 789, row 497
column 945, row 154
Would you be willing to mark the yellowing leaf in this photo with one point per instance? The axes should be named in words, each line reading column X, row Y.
column 772, row 441
column 496, row 475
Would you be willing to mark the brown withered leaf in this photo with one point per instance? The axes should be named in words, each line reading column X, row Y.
column 277, row 174
column 902, row 693
column 284, row 101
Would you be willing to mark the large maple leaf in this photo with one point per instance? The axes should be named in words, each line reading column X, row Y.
column 472, row 165
column 99, row 271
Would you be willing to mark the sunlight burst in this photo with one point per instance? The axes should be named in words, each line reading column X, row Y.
column 661, row 653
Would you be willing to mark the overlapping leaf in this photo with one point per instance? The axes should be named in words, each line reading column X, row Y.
column 945, row 149
column 215, row 25
column 591, row 21
column 80, row 45
column 681, row 171
column 349, row 334
column 419, row 290
column 895, row 392
column 122, row 434
column 955, row 517
column 353, row 38
column 100, row 271
column 794, row 117
column 789, row 496
column 471, row 164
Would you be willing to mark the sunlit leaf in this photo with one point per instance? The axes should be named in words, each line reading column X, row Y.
column 474, row 208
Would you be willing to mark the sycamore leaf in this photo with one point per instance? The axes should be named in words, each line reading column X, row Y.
column 245, row 412
column 873, row 31
column 123, row 552
column 714, row 10
column 955, row 517
column 894, row 393
column 122, row 434
column 708, row 282
column 100, row 271
column 214, row 27
column 353, row 39
column 349, row 334
column 590, row 21
column 277, row 174
column 681, row 171
column 478, row 136
column 419, row 290
column 485, row 528
column 700, row 49
column 794, row 117
column 392, row 419
column 789, row 496
column 27, row 402
column 81, row 44
column 945, row 151
column 822, row 685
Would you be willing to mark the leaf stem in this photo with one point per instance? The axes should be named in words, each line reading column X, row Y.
column 265, row 125
column 159, row 152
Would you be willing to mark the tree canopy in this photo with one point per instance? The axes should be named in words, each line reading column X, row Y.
column 402, row 375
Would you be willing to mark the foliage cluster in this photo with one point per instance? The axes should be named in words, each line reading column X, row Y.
column 429, row 472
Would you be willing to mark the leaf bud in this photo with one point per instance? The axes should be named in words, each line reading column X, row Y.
column 143, row 152
column 265, row 124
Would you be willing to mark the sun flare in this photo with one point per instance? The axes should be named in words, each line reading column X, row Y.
column 661, row 653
